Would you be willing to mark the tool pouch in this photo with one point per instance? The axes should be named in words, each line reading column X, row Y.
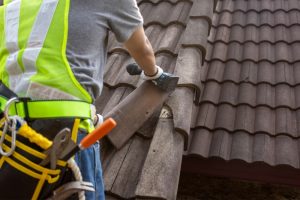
column 21, row 175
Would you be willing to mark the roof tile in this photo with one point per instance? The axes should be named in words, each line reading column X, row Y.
column 196, row 34
column 241, row 146
column 265, row 120
column 286, row 122
column 245, row 120
column 288, row 153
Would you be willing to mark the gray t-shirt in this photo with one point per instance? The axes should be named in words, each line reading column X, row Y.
column 89, row 23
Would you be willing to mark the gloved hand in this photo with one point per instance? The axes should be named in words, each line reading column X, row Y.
column 163, row 80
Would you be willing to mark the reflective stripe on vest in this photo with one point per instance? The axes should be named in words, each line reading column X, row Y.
column 36, row 64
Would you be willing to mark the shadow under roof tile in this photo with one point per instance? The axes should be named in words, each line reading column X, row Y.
column 265, row 120
column 297, row 97
column 286, row 122
column 286, row 151
column 241, row 146
column 245, row 118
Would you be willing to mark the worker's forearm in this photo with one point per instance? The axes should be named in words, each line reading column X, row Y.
column 141, row 50
column 145, row 58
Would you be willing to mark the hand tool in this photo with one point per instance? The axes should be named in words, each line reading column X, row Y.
column 90, row 139
column 59, row 143
column 63, row 148
column 137, row 107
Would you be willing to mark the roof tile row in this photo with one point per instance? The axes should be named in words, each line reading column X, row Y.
column 254, row 18
column 257, row 5
column 254, row 34
column 250, row 51
column 264, row 94
column 262, row 119
column 239, row 145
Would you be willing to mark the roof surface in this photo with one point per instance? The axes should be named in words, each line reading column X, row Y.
column 235, row 110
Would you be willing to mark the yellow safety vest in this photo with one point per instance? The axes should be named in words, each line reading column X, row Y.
column 33, row 61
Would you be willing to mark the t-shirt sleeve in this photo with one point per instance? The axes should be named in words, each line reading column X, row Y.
column 124, row 19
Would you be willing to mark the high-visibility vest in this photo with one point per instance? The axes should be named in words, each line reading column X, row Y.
column 33, row 40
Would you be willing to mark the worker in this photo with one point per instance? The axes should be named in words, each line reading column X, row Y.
column 57, row 49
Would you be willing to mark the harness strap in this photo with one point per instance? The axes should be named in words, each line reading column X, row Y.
column 45, row 109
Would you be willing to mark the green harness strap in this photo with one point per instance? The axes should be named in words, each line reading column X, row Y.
column 50, row 109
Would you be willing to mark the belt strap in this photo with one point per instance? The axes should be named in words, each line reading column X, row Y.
column 37, row 109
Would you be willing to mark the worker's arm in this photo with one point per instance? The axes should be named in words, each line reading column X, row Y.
column 141, row 50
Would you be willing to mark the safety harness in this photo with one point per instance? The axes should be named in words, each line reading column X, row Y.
column 33, row 69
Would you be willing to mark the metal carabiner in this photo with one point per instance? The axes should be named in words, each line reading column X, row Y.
column 10, row 123
column 7, row 106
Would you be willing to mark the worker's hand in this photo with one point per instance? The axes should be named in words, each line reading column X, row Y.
column 159, row 72
column 163, row 80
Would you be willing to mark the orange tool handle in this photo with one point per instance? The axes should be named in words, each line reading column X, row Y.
column 98, row 133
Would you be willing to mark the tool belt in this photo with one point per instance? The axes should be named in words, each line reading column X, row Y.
column 21, row 175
